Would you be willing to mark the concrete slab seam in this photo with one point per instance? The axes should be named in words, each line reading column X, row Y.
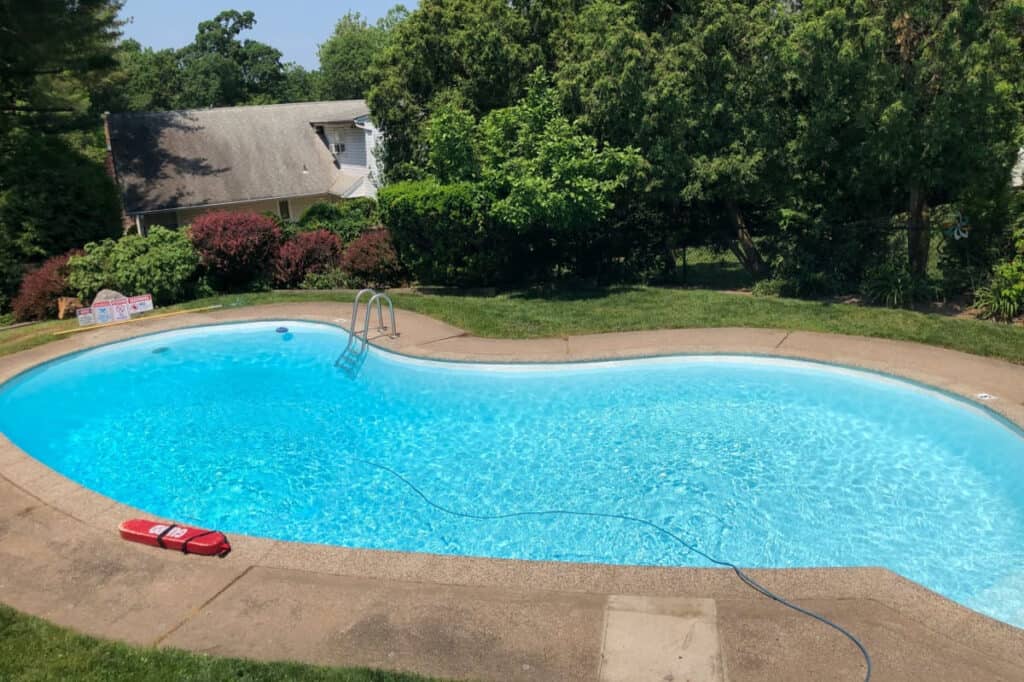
column 199, row 609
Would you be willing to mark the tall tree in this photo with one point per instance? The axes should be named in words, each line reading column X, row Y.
column 54, row 194
column 345, row 57
column 220, row 69
column 145, row 79
column 51, row 52
column 938, row 80
column 298, row 84
column 478, row 51
column 700, row 91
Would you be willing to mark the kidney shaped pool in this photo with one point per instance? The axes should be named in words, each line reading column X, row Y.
column 764, row 462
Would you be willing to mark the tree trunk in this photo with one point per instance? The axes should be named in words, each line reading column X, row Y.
column 744, row 246
column 669, row 266
column 918, row 233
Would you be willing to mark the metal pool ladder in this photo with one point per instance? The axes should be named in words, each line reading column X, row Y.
column 351, row 359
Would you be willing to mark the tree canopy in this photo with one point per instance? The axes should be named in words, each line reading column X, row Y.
column 346, row 56
column 54, row 192
column 814, row 139
column 826, row 143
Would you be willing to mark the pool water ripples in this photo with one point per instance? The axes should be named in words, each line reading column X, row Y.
column 768, row 463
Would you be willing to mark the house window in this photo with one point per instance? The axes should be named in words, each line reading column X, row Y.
column 284, row 210
column 337, row 147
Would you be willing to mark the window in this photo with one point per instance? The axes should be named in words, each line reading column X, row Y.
column 284, row 210
column 337, row 147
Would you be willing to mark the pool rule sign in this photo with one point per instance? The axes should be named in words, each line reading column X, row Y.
column 114, row 310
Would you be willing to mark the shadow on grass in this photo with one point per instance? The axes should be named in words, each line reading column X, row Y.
column 455, row 292
column 571, row 293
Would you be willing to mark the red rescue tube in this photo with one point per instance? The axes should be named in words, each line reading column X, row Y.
column 185, row 539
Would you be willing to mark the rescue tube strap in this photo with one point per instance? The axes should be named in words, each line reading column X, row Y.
column 160, row 538
column 184, row 545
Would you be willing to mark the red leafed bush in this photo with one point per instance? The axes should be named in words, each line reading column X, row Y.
column 372, row 259
column 306, row 252
column 238, row 250
column 40, row 289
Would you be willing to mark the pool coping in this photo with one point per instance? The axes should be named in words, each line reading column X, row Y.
column 956, row 373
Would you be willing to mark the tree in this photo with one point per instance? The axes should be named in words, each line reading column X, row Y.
column 346, row 55
column 298, row 84
column 729, row 85
column 51, row 52
column 939, row 109
column 480, row 51
column 208, row 80
column 218, row 69
column 54, row 193
column 145, row 79
column 53, row 198
column 531, row 192
column 605, row 78
column 700, row 91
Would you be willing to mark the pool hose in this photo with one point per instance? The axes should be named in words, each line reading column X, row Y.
column 643, row 522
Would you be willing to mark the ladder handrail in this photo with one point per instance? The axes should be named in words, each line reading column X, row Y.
column 380, row 317
column 355, row 307
column 364, row 336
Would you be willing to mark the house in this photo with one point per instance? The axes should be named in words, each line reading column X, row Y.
column 172, row 166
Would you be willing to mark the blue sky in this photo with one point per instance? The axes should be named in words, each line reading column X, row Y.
column 295, row 27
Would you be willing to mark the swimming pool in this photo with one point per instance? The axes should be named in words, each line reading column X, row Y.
column 764, row 462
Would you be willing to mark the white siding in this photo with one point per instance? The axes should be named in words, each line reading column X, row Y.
column 354, row 141
column 373, row 138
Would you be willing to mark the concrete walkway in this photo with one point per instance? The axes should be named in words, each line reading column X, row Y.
column 463, row 617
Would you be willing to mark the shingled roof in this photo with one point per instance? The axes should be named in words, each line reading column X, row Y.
column 197, row 157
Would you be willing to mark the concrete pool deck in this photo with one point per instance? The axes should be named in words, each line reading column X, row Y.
column 461, row 617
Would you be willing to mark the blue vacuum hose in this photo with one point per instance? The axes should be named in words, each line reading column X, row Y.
column 753, row 584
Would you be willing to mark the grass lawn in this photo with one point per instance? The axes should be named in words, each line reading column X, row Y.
column 525, row 315
column 31, row 649
column 710, row 269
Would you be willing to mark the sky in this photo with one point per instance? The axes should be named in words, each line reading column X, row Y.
column 295, row 27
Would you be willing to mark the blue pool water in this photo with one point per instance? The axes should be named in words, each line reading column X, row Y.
column 759, row 461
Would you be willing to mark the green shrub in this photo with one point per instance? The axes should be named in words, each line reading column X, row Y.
column 814, row 256
column 892, row 285
column 347, row 218
column 439, row 231
column 1003, row 297
column 336, row 278
column 163, row 263
column 769, row 287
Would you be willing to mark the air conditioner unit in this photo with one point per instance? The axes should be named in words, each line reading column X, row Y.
column 337, row 147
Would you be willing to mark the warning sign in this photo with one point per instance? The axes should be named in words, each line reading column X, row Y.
column 117, row 310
